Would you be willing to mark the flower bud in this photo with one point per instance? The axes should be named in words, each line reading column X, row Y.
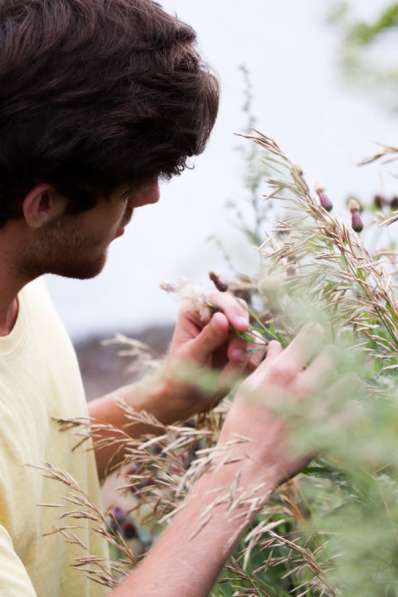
column 119, row 514
column 218, row 283
column 324, row 200
column 356, row 221
column 379, row 201
column 354, row 205
column 394, row 203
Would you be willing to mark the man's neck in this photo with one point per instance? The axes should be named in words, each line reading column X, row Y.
column 10, row 285
column 11, row 282
column 8, row 318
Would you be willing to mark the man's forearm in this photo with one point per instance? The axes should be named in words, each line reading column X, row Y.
column 142, row 396
column 189, row 556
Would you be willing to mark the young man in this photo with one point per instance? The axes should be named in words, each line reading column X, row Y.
column 98, row 100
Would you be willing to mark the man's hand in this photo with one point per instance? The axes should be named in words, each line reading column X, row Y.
column 299, row 371
column 196, row 343
column 189, row 555
column 212, row 344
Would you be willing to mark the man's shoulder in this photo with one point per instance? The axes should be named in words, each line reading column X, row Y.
column 36, row 302
column 42, row 317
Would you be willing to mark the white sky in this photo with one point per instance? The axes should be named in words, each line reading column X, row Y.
column 299, row 99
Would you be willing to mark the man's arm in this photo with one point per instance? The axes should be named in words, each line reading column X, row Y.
column 187, row 559
column 148, row 397
column 211, row 344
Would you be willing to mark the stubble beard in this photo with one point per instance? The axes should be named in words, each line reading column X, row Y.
column 79, row 270
column 65, row 253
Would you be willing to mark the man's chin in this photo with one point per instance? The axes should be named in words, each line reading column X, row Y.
column 80, row 270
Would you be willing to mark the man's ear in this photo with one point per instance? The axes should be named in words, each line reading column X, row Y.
column 42, row 205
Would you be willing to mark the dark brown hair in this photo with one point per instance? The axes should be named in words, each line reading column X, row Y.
column 95, row 94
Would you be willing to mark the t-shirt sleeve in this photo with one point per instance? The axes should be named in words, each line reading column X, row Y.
column 14, row 579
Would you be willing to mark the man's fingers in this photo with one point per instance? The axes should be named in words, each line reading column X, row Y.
column 318, row 373
column 282, row 366
column 237, row 350
column 236, row 311
column 274, row 349
column 231, row 374
column 213, row 335
column 256, row 354
column 344, row 390
column 305, row 346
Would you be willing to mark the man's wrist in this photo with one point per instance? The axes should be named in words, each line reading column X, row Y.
column 153, row 396
column 169, row 400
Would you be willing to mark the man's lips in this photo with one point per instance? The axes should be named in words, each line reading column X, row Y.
column 126, row 221
column 121, row 230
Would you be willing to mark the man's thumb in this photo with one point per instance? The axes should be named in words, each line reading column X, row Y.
column 213, row 335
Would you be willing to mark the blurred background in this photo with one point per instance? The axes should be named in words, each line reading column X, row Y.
column 324, row 85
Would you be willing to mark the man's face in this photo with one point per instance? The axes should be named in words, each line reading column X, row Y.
column 76, row 246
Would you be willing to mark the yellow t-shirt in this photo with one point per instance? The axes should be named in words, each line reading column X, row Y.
column 40, row 381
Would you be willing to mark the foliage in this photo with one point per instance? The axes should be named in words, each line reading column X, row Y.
column 362, row 64
column 365, row 33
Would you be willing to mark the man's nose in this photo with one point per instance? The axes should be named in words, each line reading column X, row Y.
column 149, row 193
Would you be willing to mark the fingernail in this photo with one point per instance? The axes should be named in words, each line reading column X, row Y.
column 238, row 354
column 242, row 322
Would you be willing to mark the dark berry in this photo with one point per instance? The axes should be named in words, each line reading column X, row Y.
column 129, row 530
